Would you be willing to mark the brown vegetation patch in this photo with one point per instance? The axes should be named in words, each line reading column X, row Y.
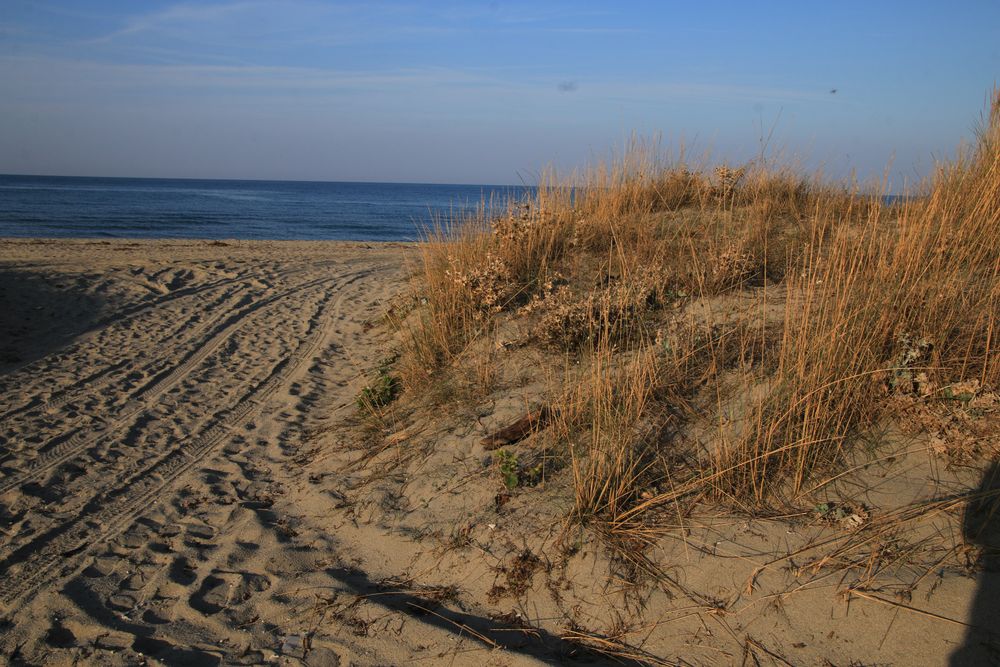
column 735, row 342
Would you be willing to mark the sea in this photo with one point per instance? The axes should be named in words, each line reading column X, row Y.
column 83, row 207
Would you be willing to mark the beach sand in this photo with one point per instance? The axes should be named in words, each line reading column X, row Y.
column 154, row 399
column 178, row 486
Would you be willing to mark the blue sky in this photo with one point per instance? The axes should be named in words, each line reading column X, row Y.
column 483, row 92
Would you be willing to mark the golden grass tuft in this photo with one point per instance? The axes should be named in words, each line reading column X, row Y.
column 623, row 277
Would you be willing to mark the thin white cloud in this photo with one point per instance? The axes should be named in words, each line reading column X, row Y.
column 24, row 75
column 178, row 15
column 592, row 31
column 50, row 78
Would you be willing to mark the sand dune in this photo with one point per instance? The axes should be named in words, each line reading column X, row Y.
column 180, row 484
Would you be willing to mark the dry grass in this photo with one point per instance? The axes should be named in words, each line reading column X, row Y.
column 915, row 294
column 844, row 302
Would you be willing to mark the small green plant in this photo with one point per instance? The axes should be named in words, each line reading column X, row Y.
column 382, row 390
column 509, row 468
column 534, row 475
column 964, row 392
column 839, row 513
column 515, row 473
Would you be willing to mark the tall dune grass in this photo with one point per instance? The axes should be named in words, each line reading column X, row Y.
column 877, row 298
column 912, row 294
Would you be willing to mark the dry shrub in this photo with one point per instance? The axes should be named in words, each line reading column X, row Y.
column 452, row 315
column 732, row 265
column 727, row 179
column 678, row 187
column 471, row 270
column 531, row 236
column 612, row 313
column 566, row 321
column 770, row 193
column 488, row 286
column 962, row 427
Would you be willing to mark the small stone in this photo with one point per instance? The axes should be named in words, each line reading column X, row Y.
column 293, row 645
column 136, row 582
column 201, row 532
column 114, row 642
column 122, row 602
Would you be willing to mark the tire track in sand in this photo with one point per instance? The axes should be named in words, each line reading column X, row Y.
column 58, row 553
column 67, row 447
column 65, row 394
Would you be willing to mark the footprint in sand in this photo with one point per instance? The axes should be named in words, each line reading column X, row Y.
column 182, row 572
column 59, row 636
column 222, row 589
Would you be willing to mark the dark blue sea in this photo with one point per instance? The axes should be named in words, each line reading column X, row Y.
column 57, row 206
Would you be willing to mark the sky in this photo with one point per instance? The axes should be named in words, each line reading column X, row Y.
column 486, row 92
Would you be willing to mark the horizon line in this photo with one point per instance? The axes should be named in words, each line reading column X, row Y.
column 267, row 180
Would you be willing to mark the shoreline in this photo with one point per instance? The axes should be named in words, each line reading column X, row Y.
column 88, row 240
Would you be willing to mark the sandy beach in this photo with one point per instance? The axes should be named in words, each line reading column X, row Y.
column 181, row 482
column 155, row 397
column 504, row 334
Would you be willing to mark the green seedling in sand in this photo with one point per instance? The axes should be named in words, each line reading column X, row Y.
column 383, row 390
column 514, row 474
column 509, row 469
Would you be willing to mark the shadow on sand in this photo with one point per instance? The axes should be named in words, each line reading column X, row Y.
column 981, row 526
column 40, row 315
column 487, row 632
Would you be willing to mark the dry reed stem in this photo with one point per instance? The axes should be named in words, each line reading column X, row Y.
column 913, row 610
